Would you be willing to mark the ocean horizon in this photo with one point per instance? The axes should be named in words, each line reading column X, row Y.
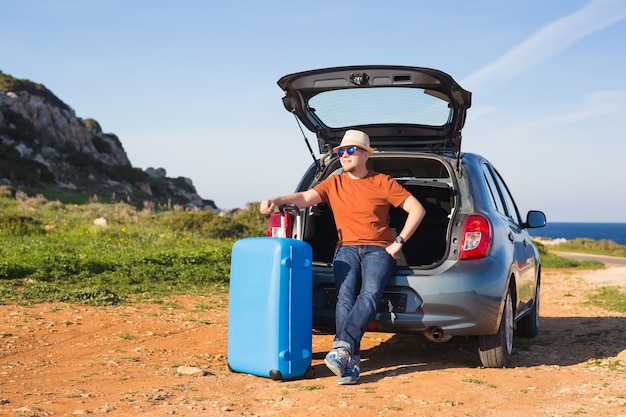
column 572, row 230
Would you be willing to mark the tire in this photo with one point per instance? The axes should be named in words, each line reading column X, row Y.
column 528, row 326
column 495, row 350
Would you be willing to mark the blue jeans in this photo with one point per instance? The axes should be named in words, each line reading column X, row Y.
column 361, row 274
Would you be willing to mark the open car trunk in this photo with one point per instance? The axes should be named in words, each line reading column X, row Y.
column 429, row 180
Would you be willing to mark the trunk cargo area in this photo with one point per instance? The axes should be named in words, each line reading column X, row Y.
column 423, row 179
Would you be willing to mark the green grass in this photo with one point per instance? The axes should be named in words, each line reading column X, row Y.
column 51, row 251
column 608, row 363
column 596, row 247
column 609, row 298
column 103, row 267
column 552, row 260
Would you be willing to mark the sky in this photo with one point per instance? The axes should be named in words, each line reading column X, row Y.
column 190, row 86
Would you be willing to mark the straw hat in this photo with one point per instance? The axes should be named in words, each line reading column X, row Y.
column 355, row 138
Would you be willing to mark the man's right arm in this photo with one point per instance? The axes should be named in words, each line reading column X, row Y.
column 302, row 200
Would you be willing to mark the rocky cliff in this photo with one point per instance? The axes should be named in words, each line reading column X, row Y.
column 44, row 146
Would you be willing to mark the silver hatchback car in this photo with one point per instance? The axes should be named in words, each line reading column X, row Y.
column 471, row 268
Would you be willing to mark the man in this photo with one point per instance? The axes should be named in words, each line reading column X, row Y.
column 366, row 253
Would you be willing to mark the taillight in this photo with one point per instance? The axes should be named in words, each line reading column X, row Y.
column 276, row 229
column 476, row 237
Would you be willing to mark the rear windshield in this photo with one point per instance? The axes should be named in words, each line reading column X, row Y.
column 382, row 105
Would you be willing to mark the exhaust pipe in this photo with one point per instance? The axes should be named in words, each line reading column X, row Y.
column 436, row 334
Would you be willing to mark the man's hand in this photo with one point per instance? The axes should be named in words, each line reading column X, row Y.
column 267, row 206
column 394, row 250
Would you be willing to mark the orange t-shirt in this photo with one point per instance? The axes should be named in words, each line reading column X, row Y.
column 361, row 206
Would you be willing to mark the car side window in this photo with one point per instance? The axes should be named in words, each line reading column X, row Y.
column 496, row 201
column 510, row 205
column 504, row 202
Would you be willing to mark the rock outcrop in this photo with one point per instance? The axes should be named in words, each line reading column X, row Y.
column 44, row 145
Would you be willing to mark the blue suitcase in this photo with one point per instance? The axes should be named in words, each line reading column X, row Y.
column 270, row 308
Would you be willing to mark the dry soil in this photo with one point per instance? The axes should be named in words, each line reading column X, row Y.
column 62, row 360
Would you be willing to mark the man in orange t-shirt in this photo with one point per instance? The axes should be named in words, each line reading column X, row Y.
column 366, row 253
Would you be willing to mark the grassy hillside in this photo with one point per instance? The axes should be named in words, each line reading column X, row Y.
column 50, row 251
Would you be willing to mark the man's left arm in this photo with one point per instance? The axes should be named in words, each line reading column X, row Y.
column 416, row 213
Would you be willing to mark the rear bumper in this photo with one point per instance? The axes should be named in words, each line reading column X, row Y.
column 462, row 298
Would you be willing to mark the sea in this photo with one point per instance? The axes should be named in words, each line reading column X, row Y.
column 596, row 231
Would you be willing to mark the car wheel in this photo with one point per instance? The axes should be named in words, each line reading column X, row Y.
column 528, row 326
column 495, row 350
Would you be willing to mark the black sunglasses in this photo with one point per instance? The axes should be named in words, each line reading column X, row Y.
column 350, row 151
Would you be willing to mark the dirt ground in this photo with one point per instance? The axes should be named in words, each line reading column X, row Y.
column 62, row 360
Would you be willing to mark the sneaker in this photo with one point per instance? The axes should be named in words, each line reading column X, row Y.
column 336, row 360
column 350, row 374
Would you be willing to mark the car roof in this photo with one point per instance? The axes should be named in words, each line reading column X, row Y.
column 400, row 107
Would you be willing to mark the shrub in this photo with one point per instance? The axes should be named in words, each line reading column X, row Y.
column 210, row 225
column 101, row 145
column 19, row 225
column 21, row 86
column 603, row 246
column 254, row 220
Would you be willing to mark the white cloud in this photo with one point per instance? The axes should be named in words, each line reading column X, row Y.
column 548, row 41
column 595, row 105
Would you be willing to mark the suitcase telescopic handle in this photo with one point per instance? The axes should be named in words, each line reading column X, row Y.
column 291, row 207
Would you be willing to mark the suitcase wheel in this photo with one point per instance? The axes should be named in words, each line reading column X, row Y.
column 276, row 375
